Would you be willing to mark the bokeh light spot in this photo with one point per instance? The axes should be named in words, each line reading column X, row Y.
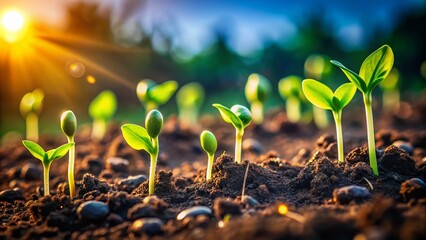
column 91, row 79
column 76, row 69
column 282, row 209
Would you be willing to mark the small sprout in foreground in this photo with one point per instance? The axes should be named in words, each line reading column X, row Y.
column 152, row 95
column 30, row 107
column 69, row 127
column 189, row 99
column 102, row 109
column 322, row 96
column 374, row 70
column 283, row 210
column 240, row 117
column 209, row 144
column 141, row 138
column 46, row 158
column 391, row 92
column 257, row 90
column 290, row 90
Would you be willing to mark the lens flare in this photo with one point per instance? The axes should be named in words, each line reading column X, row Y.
column 13, row 26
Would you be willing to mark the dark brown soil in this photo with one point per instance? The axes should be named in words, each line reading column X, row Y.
column 289, row 165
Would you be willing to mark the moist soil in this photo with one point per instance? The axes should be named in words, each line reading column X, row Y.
column 294, row 188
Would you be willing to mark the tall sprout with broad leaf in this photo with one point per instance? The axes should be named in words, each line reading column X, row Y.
column 322, row 96
column 389, row 86
column 240, row 117
column 102, row 109
column 209, row 144
column 257, row 91
column 189, row 99
column 290, row 90
column 374, row 70
column 141, row 138
column 69, row 127
column 152, row 95
column 31, row 106
column 46, row 158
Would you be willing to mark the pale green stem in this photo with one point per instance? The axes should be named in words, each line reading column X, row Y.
column 153, row 166
column 71, row 155
column 391, row 100
column 32, row 126
column 98, row 129
column 370, row 132
column 238, row 141
column 188, row 115
column 340, row 149
column 209, row 167
column 320, row 117
column 46, row 169
column 257, row 112
column 293, row 109
column 150, row 106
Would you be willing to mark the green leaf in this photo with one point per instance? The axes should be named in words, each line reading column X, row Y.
column 229, row 116
column 290, row 86
column 243, row 114
column 60, row 151
column 208, row 142
column 318, row 94
column 103, row 106
column 352, row 76
column 163, row 92
column 377, row 66
column 345, row 93
column 137, row 137
column 68, row 123
column 190, row 95
column 257, row 88
column 35, row 149
column 154, row 123
column 142, row 89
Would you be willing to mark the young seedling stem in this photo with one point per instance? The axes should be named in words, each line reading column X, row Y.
column 209, row 144
column 257, row 90
column 69, row 126
column 30, row 108
column 370, row 132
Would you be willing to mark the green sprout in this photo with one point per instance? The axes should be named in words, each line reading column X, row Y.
column 322, row 96
column 209, row 144
column 30, row 107
column 257, row 90
column 189, row 99
column 240, row 117
column 152, row 95
column 69, row 126
column 391, row 91
column 140, row 138
column 46, row 158
column 373, row 70
column 101, row 109
column 290, row 89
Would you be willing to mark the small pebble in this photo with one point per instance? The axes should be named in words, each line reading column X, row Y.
column 114, row 219
column 10, row 195
column 149, row 226
column 117, row 164
column 249, row 200
column 413, row 188
column 140, row 210
column 130, row 183
column 194, row 211
column 406, row 146
column 31, row 171
column 351, row 193
column 93, row 211
column 252, row 145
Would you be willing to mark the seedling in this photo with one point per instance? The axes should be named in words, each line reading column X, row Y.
column 257, row 90
column 30, row 107
column 240, row 117
column 102, row 109
column 46, row 158
column 141, row 138
column 69, row 126
column 391, row 91
column 290, row 89
column 152, row 95
column 374, row 70
column 209, row 144
column 189, row 99
column 322, row 96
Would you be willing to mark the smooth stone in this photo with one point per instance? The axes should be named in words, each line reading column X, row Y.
column 406, row 146
column 345, row 195
column 413, row 188
column 194, row 211
column 149, row 226
column 249, row 200
column 252, row 145
column 140, row 210
column 11, row 195
column 31, row 171
column 132, row 182
column 117, row 164
column 93, row 211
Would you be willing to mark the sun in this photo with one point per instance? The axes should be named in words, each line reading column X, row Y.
column 12, row 25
